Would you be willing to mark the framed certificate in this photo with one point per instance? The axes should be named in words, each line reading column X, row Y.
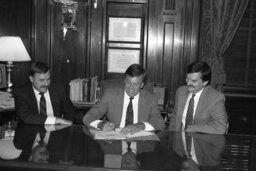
column 124, row 29
column 120, row 59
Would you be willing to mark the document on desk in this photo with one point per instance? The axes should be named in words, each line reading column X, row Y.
column 116, row 135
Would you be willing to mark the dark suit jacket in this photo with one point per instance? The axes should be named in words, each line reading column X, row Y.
column 208, row 148
column 27, row 108
column 210, row 115
column 111, row 105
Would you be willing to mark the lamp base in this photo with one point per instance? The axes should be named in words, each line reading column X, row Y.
column 9, row 66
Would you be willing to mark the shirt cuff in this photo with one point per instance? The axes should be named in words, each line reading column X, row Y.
column 95, row 123
column 148, row 126
column 50, row 128
column 50, row 120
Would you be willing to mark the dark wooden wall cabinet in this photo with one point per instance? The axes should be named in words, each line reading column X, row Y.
column 166, row 42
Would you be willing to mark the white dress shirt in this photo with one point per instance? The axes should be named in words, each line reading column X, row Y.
column 196, row 99
column 50, row 116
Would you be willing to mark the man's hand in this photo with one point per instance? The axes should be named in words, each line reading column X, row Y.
column 63, row 121
column 106, row 126
column 132, row 128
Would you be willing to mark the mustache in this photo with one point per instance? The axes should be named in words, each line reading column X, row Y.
column 191, row 86
column 44, row 86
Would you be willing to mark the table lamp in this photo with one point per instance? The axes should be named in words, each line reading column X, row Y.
column 12, row 50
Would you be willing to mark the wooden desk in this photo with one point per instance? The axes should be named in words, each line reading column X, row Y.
column 73, row 148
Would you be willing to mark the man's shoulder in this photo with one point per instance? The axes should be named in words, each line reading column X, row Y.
column 213, row 91
column 146, row 92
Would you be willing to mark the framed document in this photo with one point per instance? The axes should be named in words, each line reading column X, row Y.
column 120, row 59
column 124, row 29
column 3, row 82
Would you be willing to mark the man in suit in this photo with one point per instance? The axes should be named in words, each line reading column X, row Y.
column 114, row 104
column 56, row 108
column 208, row 107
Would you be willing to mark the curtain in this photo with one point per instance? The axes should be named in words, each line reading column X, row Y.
column 219, row 22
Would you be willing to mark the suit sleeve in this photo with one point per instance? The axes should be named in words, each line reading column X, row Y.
column 67, row 109
column 172, row 124
column 155, row 118
column 97, row 111
column 24, row 109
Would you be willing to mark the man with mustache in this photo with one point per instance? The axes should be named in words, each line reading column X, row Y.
column 57, row 107
column 207, row 109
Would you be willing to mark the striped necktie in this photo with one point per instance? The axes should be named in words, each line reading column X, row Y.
column 129, row 113
column 43, row 110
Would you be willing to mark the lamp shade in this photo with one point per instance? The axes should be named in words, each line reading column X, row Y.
column 8, row 150
column 12, row 49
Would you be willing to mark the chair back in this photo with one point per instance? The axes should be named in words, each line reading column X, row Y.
column 118, row 83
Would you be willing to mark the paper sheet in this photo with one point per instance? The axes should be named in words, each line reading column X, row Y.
column 116, row 135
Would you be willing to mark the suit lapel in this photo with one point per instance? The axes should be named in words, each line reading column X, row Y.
column 53, row 97
column 119, row 106
column 201, row 101
column 142, row 106
column 183, row 100
column 32, row 100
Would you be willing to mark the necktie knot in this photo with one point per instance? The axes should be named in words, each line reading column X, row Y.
column 41, row 93
column 131, row 98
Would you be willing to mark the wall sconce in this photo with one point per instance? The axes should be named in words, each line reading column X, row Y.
column 68, row 10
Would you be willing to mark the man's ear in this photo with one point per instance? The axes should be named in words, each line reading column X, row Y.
column 205, row 83
column 31, row 79
column 142, row 85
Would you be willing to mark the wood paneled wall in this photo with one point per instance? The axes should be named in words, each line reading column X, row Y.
column 15, row 20
column 169, row 37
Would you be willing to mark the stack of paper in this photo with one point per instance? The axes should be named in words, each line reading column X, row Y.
column 116, row 135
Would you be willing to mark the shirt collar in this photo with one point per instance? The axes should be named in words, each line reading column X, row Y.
column 135, row 97
column 36, row 91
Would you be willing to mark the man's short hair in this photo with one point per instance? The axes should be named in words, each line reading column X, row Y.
column 203, row 67
column 38, row 67
column 136, row 70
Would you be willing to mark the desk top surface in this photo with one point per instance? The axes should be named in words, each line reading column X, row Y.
column 74, row 148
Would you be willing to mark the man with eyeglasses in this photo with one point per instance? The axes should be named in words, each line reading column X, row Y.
column 130, row 107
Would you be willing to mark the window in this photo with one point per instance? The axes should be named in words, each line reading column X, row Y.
column 240, row 58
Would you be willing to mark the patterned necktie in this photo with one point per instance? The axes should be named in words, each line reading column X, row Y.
column 129, row 113
column 190, row 111
column 42, row 104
